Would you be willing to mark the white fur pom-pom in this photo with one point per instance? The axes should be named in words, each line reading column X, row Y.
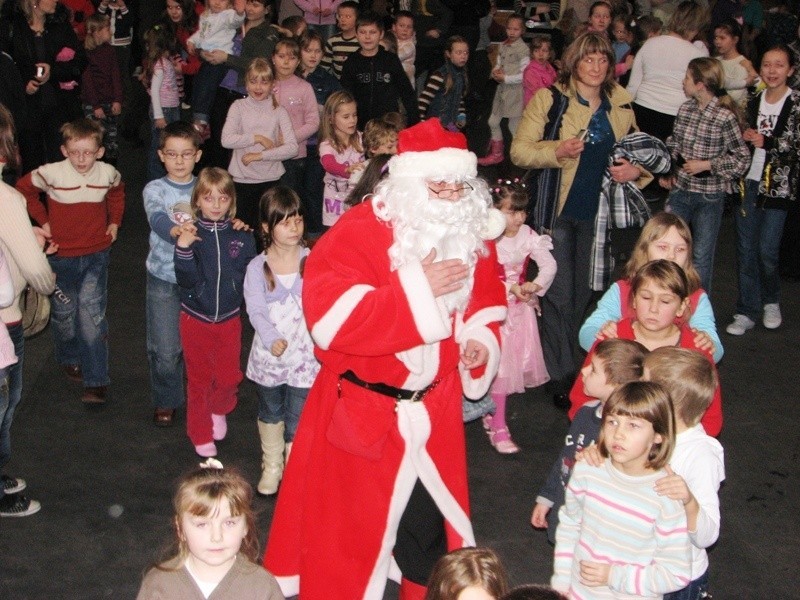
column 380, row 208
column 494, row 226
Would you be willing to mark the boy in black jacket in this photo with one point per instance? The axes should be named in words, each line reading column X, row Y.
column 376, row 77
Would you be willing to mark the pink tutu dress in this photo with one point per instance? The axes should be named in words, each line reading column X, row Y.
column 521, row 361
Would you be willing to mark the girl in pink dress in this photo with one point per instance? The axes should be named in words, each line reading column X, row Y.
column 521, row 361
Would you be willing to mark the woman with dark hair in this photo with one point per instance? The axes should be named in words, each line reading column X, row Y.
column 50, row 60
column 593, row 113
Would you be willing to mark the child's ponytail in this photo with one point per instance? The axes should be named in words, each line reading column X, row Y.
column 708, row 71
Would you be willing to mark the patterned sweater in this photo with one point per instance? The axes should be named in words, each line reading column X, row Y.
column 613, row 518
column 80, row 207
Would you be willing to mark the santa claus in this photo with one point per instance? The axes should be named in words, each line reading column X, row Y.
column 404, row 301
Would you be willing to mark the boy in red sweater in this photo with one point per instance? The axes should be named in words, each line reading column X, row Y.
column 85, row 202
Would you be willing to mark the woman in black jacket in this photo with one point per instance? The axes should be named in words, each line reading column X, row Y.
column 39, row 38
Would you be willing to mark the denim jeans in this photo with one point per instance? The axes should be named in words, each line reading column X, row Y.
column 703, row 214
column 696, row 590
column 758, row 242
column 164, row 350
column 10, row 394
column 78, row 314
column 155, row 169
column 281, row 403
column 564, row 305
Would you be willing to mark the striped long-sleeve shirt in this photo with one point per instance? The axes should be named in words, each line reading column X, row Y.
column 337, row 50
column 613, row 518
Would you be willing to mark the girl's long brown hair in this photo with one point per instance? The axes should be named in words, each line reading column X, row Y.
column 8, row 145
column 277, row 204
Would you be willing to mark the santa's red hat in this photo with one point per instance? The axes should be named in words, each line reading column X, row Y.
column 429, row 151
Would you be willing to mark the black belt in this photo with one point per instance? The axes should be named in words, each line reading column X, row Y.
column 388, row 390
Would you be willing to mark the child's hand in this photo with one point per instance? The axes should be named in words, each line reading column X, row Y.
column 251, row 157
column 187, row 237
column 279, row 347
column 673, row 486
column 539, row 516
column 112, row 231
column 594, row 574
column 535, row 304
column 530, row 287
column 474, row 355
column 99, row 113
column 267, row 143
column 520, row 293
column 703, row 341
column 190, row 47
column 755, row 138
column 160, row 123
column 32, row 87
column 608, row 331
column 116, row 108
column 355, row 167
column 239, row 225
column 693, row 167
column 499, row 75
column 590, row 455
column 666, row 181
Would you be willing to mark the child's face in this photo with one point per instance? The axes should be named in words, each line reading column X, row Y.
column 82, row 154
column 628, row 441
column 595, row 383
column 541, row 54
column 258, row 87
column 459, row 55
column 514, row 219
column 346, row 19
column 287, row 233
column 657, row 307
column 345, row 119
column 775, row 69
column 103, row 36
column 690, row 87
column 311, row 55
column 255, row 11
column 621, row 34
column 213, row 540
column 369, row 37
column 214, row 205
column 403, row 29
column 724, row 42
column 389, row 146
column 600, row 18
column 670, row 246
column 217, row 6
column 174, row 11
column 179, row 156
column 475, row 592
column 513, row 30
column 285, row 62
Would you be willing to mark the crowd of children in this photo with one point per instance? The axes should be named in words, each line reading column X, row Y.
column 310, row 138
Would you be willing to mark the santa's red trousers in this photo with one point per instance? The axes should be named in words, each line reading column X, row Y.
column 211, row 353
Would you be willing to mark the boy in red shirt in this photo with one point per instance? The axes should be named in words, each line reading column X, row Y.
column 85, row 202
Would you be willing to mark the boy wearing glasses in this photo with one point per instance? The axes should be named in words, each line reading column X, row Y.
column 167, row 205
column 85, row 202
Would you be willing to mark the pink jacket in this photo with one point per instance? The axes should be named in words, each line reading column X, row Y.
column 535, row 77
column 315, row 18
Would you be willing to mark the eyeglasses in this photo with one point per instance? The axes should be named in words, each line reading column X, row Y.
column 185, row 155
column 446, row 189
column 82, row 153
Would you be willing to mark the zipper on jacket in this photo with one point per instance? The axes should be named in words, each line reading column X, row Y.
column 219, row 270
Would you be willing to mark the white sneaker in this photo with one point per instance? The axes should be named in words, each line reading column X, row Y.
column 741, row 324
column 772, row 316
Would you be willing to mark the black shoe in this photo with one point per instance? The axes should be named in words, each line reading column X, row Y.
column 12, row 485
column 561, row 401
column 17, row 505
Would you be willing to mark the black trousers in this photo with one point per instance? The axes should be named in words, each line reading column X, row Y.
column 421, row 537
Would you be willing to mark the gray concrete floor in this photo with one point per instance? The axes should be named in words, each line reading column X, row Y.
column 87, row 465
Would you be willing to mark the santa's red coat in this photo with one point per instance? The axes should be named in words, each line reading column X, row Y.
column 357, row 454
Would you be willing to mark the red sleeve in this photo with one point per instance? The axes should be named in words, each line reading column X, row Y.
column 36, row 209
column 115, row 200
column 576, row 395
column 332, row 166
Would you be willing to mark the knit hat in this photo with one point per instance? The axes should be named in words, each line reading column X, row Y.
column 429, row 151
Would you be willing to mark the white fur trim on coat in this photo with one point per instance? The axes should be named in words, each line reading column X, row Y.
column 447, row 164
column 432, row 324
column 476, row 329
column 328, row 326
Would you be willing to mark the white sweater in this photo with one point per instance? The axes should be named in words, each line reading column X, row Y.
column 656, row 80
column 699, row 459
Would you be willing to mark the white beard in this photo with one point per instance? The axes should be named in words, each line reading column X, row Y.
column 421, row 224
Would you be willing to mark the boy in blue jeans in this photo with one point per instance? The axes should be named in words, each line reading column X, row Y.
column 167, row 205
column 83, row 212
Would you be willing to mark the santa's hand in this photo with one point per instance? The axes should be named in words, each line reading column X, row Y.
column 474, row 355
column 445, row 276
